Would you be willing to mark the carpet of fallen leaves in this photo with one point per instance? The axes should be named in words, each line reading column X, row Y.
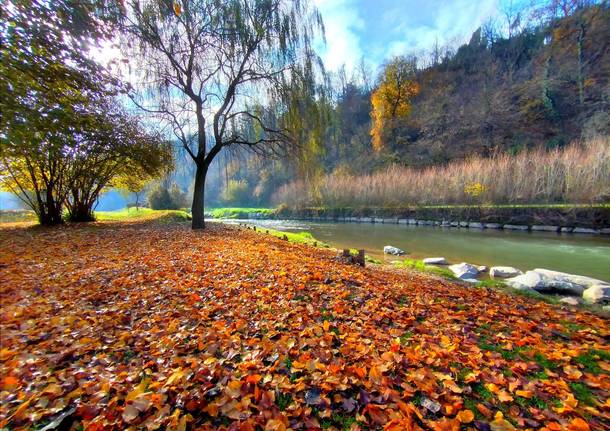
column 151, row 326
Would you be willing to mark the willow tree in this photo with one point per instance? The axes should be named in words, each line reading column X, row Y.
column 201, row 65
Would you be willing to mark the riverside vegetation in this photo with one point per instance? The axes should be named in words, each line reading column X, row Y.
column 152, row 325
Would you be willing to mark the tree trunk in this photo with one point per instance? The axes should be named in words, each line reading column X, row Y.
column 197, row 208
column 81, row 212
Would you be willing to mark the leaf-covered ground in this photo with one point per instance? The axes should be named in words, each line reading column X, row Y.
column 154, row 326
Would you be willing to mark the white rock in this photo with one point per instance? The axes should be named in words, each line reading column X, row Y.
column 378, row 220
column 597, row 294
column 605, row 231
column 529, row 280
column 435, row 261
column 570, row 278
column 464, row 270
column 389, row 249
column 545, row 228
column 585, row 230
column 503, row 272
column 476, row 225
column 482, row 268
column 403, row 221
column 463, row 224
column 455, row 224
column 567, row 229
column 570, row 300
column 493, row 225
column 515, row 227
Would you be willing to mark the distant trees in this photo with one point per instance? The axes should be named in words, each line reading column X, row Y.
column 63, row 137
column 204, row 64
column 393, row 99
column 165, row 196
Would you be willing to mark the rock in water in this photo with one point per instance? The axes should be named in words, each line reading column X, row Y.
column 389, row 249
column 597, row 294
column 547, row 281
column 435, row 261
column 503, row 272
column 464, row 270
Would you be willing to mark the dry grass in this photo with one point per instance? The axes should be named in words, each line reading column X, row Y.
column 578, row 173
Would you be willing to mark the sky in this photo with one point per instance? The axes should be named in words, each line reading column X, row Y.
column 379, row 29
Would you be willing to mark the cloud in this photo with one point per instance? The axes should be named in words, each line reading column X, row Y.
column 344, row 27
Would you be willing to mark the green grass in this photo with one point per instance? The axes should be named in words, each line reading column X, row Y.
column 12, row 216
column 420, row 266
column 240, row 213
column 127, row 214
column 302, row 237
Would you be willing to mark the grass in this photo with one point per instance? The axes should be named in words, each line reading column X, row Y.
column 420, row 266
column 302, row 237
column 240, row 213
column 576, row 173
column 127, row 214
column 13, row 216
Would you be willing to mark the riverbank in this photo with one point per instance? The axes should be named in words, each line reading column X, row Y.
column 232, row 328
column 588, row 219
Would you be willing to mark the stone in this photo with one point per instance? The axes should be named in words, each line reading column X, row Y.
column 476, row 225
column 435, row 261
column 411, row 221
column 515, row 227
column 567, row 229
column 529, row 280
column 366, row 220
column 378, row 220
column 493, row 225
column 605, row 231
column 597, row 294
column 445, row 223
column 482, row 268
column 504, row 272
column 545, row 228
column 390, row 220
column 581, row 280
column 570, row 300
column 455, row 224
column 463, row 224
column 464, row 270
column 389, row 249
column 403, row 221
column 585, row 230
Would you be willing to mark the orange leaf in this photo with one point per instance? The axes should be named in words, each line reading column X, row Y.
column 465, row 416
column 578, row 424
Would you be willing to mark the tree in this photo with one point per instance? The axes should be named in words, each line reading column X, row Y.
column 47, row 86
column 205, row 64
column 392, row 100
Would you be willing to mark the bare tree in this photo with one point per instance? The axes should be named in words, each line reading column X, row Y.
column 204, row 65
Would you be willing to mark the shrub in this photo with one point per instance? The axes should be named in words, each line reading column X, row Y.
column 163, row 198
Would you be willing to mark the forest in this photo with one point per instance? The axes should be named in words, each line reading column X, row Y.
column 537, row 84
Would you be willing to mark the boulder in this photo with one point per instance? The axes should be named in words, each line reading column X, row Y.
column 389, row 249
column 503, row 272
column 547, row 281
column 390, row 220
column 377, row 220
column 403, row 221
column 545, row 228
column 493, row 225
column 605, row 231
column 476, row 225
column 597, row 294
column 463, row 224
column 567, row 229
column 530, row 280
column 464, row 270
column 455, row 224
column 570, row 278
column 570, row 300
column 515, row 227
column 585, row 230
column 481, row 268
column 435, row 261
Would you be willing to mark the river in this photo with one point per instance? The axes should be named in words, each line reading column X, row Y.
column 572, row 253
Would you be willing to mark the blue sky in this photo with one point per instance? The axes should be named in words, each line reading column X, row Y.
column 378, row 29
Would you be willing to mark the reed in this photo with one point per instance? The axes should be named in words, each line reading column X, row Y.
column 577, row 173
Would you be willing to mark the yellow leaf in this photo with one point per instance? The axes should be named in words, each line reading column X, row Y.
column 177, row 8
column 465, row 416
column 138, row 390
column 501, row 424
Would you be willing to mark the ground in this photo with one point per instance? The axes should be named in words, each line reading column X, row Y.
column 149, row 325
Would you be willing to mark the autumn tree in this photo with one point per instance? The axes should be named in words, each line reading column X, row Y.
column 206, row 63
column 392, row 99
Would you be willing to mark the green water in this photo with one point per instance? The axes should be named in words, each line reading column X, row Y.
column 576, row 254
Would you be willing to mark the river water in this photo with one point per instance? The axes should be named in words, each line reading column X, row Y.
column 573, row 253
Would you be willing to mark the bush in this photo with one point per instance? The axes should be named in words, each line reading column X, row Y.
column 163, row 198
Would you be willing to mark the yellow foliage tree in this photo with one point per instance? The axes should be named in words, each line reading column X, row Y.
column 393, row 98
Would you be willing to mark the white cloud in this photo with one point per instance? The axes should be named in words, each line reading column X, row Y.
column 343, row 24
